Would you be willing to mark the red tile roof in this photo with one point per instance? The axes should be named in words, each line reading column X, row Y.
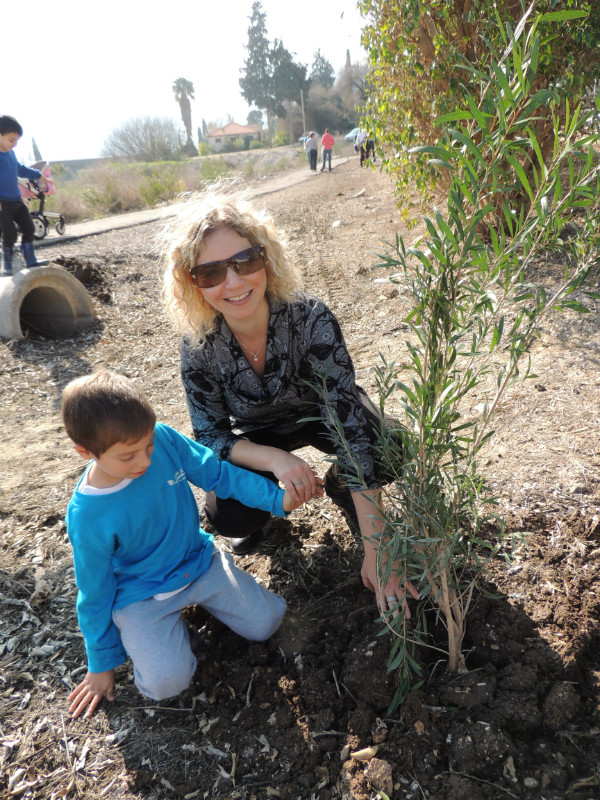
column 233, row 129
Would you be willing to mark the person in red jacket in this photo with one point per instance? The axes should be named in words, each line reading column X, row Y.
column 327, row 142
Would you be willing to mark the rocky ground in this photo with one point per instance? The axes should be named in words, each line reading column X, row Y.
column 288, row 719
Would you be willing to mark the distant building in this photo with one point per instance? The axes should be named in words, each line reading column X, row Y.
column 231, row 132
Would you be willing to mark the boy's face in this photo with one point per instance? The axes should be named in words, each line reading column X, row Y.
column 8, row 141
column 121, row 460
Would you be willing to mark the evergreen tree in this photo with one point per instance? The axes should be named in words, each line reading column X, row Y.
column 36, row 151
column 322, row 71
column 255, row 117
column 269, row 76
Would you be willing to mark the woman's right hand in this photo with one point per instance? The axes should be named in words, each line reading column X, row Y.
column 297, row 476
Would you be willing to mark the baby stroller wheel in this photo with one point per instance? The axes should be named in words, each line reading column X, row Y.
column 60, row 226
column 40, row 227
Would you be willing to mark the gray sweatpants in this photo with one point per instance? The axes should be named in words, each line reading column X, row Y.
column 156, row 637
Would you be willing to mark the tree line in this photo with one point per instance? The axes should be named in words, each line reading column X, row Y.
column 283, row 89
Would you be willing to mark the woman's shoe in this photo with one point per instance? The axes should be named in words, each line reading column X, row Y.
column 246, row 544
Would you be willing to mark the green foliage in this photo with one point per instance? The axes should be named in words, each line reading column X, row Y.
column 161, row 184
column 322, row 71
column 184, row 91
column 213, row 168
column 255, row 117
column 415, row 45
column 204, row 149
column 475, row 316
column 256, row 145
column 281, row 139
column 108, row 191
column 36, row 150
column 269, row 75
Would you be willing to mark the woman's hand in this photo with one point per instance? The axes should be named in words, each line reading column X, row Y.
column 293, row 472
column 290, row 500
column 393, row 592
column 299, row 479
column 370, row 518
column 90, row 691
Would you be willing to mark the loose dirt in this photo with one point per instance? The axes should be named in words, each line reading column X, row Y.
column 281, row 719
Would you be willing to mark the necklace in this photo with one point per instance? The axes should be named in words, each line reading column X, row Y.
column 259, row 348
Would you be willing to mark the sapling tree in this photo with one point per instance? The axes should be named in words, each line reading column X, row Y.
column 474, row 318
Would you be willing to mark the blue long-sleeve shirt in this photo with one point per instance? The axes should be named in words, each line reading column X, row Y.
column 146, row 538
column 10, row 171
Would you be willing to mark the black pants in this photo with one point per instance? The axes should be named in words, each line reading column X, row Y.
column 15, row 213
column 312, row 159
column 233, row 519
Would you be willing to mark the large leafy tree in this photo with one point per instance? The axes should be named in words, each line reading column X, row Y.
column 322, row 71
column 269, row 75
column 289, row 78
column 415, row 51
column 255, row 117
column 183, row 91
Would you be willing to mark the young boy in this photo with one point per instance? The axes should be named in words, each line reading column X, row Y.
column 140, row 554
column 13, row 210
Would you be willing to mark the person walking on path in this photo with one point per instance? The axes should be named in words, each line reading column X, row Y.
column 13, row 211
column 327, row 143
column 312, row 146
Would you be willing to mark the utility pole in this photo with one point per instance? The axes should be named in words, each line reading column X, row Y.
column 303, row 117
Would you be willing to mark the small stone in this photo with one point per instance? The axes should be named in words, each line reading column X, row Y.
column 379, row 775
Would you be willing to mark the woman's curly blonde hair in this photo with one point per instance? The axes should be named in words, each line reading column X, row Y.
column 199, row 215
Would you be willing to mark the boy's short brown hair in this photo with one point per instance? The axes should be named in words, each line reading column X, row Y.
column 102, row 409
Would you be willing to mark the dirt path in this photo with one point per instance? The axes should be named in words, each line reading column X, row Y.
column 278, row 720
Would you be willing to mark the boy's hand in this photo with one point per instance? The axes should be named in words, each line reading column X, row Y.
column 293, row 500
column 90, row 691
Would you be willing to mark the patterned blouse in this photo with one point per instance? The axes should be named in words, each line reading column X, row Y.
column 305, row 347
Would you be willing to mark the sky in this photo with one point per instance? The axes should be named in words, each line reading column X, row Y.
column 78, row 70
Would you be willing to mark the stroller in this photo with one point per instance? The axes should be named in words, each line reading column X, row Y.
column 33, row 191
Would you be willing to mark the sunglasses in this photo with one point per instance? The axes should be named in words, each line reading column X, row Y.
column 213, row 273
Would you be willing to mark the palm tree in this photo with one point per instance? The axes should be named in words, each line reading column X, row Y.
column 183, row 91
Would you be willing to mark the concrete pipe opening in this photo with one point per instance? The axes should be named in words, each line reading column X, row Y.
column 45, row 300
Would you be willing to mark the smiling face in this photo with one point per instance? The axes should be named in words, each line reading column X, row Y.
column 8, row 141
column 121, row 460
column 240, row 297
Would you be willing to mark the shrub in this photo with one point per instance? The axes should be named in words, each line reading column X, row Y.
column 163, row 183
column 213, row 168
column 474, row 318
column 111, row 189
column 281, row 139
column 413, row 51
column 256, row 145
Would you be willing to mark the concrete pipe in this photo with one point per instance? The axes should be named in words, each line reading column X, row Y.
column 47, row 300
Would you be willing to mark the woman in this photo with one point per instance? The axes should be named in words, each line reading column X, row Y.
column 254, row 352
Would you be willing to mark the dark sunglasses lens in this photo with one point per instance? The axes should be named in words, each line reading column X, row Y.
column 205, row 276
column 250, row 261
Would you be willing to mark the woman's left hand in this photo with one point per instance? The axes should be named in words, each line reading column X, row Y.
column 370, row 518
column 393, row 592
